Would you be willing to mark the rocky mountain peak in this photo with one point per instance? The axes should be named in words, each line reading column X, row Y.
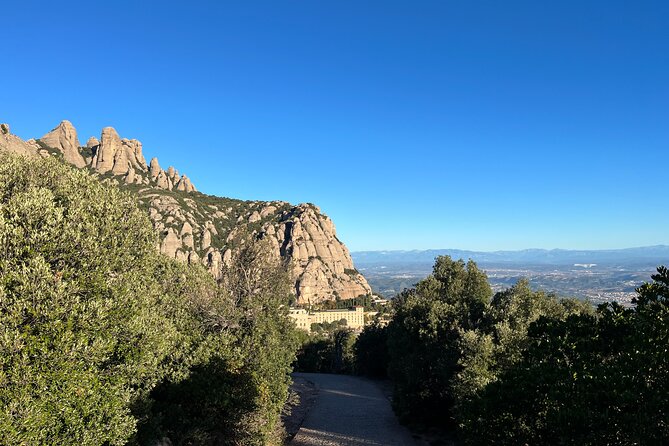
column 322, row 265
column 154, row 167
column 198, row 228
column 92, row 142
column 64, row 138
column 14, row 144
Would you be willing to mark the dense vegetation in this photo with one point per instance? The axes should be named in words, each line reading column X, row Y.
column 327, row 351
column 585, row 379
column 104, row 341
column 523, row 367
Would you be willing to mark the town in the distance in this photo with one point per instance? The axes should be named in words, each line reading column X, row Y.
column 595, row 276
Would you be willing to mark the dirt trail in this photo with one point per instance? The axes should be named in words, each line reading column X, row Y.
column 350, row 411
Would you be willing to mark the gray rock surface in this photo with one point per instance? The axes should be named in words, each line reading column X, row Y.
column 350, row 411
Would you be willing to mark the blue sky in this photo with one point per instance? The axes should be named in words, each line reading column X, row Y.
column 413, row 124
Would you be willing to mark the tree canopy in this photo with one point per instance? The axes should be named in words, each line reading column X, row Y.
column 105, row 341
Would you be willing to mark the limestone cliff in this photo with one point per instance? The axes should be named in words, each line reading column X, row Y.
column 64, row 139
column 195, row 227
column 14, row 144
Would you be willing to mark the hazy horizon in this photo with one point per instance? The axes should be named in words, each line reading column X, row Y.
column 513, row 250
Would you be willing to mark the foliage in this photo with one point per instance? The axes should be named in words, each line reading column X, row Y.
column 314, row 355
column 330, row 352
column 424, row 334
column 500, row 340
column 586, row 380
column 328, row 327
column 86, row 152
column 449, row 340
column 50, row 150
column 104, row 341
column 371, row 351
column 83, row 336
column 237, row 388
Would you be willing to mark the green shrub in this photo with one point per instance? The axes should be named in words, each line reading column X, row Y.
column 586, row 380
column 423, row 338
column 371, row 351
column 81, row 337
column 330, row 352
column 449, row 341
column 105, row 341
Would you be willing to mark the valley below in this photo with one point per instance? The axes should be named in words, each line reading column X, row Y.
column 597, row 276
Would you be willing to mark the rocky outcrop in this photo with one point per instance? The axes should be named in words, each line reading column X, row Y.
column 117, row 155
column 105, row 154
column 134, row 154
column 64, row 138
column 185, row 185
column 124, row 157
column 321, row 265
column 92, row 142
column 171, row 243
column 14, row 144
column 197, row 228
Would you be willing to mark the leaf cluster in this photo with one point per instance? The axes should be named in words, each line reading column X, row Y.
column 105, row 341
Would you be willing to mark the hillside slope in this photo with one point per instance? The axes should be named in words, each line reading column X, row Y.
column 195, row 227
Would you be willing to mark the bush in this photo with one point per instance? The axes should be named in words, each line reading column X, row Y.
column 371, row 351
column 423, row 338
column 239, row 378
column 105, row 341
column 83, row 337
column 327, row 353
column 586, row 380
column 449, row 341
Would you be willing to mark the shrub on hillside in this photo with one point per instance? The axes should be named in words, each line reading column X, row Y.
column 371, row 351
column 83, row 334
column 104, row 341
column 239, row 380
column 587, row 380
column 449, row 339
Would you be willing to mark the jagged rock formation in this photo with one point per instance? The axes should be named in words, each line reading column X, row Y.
column 64, row 138
column 14, row 144
column 117, row 155
column 198, row 228
column 321, row 264
column 92, row 142
column 123, row 157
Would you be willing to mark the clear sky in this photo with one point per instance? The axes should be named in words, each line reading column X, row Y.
column 478, row 125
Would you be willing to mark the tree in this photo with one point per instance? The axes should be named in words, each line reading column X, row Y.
column 371, row 351
column 105, row 341
column 499, row 342
column 83, row 334
column 585, row 379
column 239, row 380
column 424, row 333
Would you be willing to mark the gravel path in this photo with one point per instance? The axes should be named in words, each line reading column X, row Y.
column 350, row 411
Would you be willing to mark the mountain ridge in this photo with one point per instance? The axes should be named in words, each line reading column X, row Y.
column 198, row 228
column 539, row 255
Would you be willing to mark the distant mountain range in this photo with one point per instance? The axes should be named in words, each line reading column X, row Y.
column 657, row 255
